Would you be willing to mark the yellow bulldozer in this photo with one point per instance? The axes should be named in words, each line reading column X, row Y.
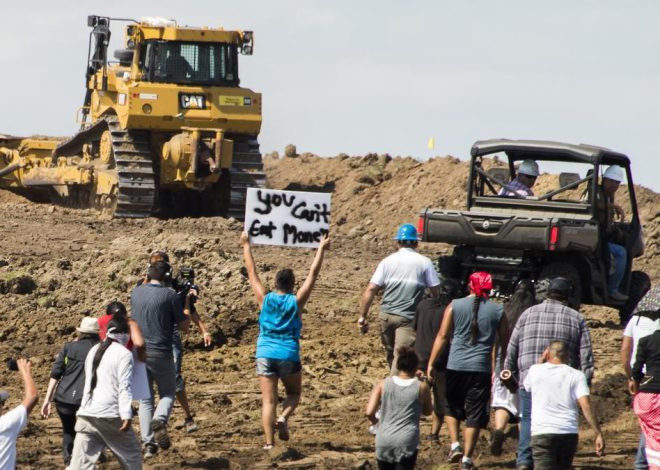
column 165, row 128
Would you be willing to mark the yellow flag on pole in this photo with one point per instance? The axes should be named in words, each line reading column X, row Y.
column 431, row 143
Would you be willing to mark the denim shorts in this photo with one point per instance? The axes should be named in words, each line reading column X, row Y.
column 277, row 367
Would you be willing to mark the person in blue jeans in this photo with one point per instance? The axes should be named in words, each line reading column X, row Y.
column 608, row 211
column 278, row 344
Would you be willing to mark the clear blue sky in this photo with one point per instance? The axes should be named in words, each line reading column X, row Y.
column 384, row 76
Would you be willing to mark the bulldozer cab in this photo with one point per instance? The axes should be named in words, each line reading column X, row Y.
column 189, row 63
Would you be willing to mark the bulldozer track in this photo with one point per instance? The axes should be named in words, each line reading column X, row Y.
column 136, row 188
column 247, row 171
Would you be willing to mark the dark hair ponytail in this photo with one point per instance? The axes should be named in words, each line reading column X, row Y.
column 116, row 309
column 118, row 325
column 474, row 324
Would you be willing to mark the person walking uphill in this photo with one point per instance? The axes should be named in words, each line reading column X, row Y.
column 104, row 417
column 67, row 380
column 557, row 389
column 472, row 323
column 403, row 275
column 157, row 310
column 536, row 328
column 278, row 345
column 401, row 399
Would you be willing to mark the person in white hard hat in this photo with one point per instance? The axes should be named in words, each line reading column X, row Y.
column 608, row 211
column 522, row 184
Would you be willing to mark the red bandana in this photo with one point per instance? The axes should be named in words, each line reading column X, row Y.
column 481, row 283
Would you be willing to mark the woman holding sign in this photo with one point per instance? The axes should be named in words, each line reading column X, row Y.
column 278, row 345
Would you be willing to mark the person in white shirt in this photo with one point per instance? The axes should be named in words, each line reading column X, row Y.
column 14, row 421
column 556, row 390
column 403, row 276
column 104, row 417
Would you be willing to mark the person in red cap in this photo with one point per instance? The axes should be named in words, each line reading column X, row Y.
column 471, row 324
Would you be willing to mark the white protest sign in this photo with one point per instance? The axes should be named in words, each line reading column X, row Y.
column 287, row 218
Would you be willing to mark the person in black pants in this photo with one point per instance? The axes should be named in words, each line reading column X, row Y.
column 67, row 380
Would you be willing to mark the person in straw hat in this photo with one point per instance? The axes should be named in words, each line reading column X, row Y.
column 67, row 379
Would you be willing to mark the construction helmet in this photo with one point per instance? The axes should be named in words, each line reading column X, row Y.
column 614, row 173
column 407, row 232
column 529, row 168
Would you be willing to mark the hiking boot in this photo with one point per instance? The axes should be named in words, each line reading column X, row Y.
column 190, row 424
column 160, row 434
column 150, row 451
column 455, row 455
column 497, row 439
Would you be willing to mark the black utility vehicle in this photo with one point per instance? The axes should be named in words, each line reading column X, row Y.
column 556, row 232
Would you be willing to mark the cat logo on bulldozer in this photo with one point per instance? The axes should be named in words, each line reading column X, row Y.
column 188, row 101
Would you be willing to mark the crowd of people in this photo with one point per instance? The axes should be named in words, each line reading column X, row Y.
column 456, row 357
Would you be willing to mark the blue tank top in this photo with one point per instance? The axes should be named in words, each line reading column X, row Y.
column 279, row 328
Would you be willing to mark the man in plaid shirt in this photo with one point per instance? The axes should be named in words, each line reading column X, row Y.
column 522, row 184
column 537, row 327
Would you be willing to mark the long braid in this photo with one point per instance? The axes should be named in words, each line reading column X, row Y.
column 103, row 347
column 474, row 324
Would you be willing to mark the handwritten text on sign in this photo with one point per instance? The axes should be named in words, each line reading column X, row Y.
column 291, row 218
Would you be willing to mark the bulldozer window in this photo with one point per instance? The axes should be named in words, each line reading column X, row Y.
column 191, row 63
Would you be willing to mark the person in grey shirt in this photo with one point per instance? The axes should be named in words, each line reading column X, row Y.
column 403, row 276
column 472, row 324
column 157, row 310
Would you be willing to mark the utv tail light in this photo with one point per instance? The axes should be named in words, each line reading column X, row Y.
column 554, row 238
column 420, row 227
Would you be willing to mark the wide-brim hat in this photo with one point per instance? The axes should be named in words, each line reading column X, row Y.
column 89, row 325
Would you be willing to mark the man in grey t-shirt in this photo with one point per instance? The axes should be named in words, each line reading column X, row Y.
column 157, row 310
column 403, row 276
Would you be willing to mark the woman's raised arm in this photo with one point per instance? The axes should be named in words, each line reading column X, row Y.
column 257, row 287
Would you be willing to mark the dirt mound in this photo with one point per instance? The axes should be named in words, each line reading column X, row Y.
column 79, row 262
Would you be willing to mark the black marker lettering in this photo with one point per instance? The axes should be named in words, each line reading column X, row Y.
column 256, row 229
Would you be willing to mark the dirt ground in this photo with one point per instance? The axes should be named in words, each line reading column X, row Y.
column 59, row 264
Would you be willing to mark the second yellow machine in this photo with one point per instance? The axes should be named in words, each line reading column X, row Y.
column 165, row 128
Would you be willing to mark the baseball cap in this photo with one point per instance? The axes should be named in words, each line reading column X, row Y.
column 560, row 285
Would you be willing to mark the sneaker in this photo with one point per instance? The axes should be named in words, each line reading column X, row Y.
column 150, row 451
column 467, row 465
column 618, row 296
column 282, row 429
column 432, row 437
column 160, row 434
column 497, row 439
column 455, row 455
column 268, row 446
column 190, row 424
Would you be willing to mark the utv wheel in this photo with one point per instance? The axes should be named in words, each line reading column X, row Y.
column 554, row 270
column 640, row 283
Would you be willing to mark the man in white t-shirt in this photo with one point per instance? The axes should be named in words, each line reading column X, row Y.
column 556, row 390
column 403, row 276
column 15, row 420
column 643, row 322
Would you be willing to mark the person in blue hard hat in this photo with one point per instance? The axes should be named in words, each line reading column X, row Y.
column 402, row 276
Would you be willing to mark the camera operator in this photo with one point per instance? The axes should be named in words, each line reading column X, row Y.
column 184, row 285
column 14, row 421
column 158, row 310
